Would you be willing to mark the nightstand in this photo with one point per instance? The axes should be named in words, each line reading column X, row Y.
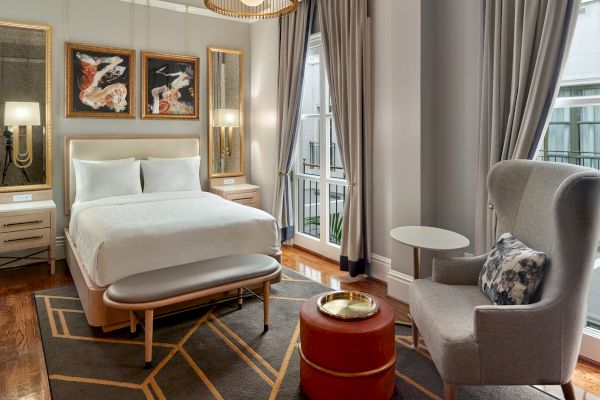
column 29, row 225
column 246, row 194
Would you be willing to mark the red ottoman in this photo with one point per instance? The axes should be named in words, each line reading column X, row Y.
column 347, row 359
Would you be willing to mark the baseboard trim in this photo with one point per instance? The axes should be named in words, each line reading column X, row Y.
column 398, row 285
column 380, row 267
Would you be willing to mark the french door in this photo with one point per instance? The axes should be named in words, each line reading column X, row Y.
column 320, row 181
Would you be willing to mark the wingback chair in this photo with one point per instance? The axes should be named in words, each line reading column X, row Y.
column 554, row 208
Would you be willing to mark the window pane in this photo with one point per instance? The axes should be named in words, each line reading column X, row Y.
column 337, row 197
column 335, row 159
column 309, row 199
column 589, row 136
column 311, row 93
column 309, row 160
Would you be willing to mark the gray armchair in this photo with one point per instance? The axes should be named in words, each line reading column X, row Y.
column 554, row 208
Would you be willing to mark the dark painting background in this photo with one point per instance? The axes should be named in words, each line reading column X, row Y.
column 157, row 80
column 77, row 72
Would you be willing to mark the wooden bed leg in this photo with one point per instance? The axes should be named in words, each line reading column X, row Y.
column 132, row 322
column 415, row 336
column 240, row 298
column 148, row 326
column 266, row 295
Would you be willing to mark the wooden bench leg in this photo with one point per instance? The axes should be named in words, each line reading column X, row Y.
column 266, row 296
column 240, row 298
column 132, row 322
column 148, row 325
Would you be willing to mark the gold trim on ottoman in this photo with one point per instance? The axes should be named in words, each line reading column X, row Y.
column 340, row 374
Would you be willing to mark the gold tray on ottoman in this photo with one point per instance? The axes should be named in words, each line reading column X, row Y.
column 346, row 304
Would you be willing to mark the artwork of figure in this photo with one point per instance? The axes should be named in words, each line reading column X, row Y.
column 99, row 82
column 169, row 86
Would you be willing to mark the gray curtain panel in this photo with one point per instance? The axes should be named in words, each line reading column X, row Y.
column 294, row 33
column 525, row 46
column 345, row 36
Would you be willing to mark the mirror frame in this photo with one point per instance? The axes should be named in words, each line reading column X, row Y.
column 209, row 58
column 47, row 29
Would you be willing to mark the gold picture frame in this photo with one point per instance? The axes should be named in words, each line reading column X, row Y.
column 170, row 74
column 114, row 100
column 47, row 29
column 211, row 110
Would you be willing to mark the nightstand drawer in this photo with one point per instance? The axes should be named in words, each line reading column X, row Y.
column 24, row 222
column 243, row 197
column 24, row 239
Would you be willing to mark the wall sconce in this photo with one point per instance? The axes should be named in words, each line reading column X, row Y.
column 226, row 118
column 18, row 113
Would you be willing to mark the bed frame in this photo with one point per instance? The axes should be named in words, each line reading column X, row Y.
column 113, row 147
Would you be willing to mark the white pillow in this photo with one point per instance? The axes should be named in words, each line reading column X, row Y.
column 100, row 179
column 171, row 174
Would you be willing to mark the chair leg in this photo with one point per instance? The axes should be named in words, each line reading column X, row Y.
column 148, row 326
column 415, row 336
column 240, row 298
column 449, row 391
column 568, row 390
column 266, row 295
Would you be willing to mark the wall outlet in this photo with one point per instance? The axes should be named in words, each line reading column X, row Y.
column 229, row 181
column 22, row 197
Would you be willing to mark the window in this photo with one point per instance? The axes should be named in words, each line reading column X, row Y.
column 573, row 134
column 320, row 181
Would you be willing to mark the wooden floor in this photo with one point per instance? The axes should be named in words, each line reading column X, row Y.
column 22, row 369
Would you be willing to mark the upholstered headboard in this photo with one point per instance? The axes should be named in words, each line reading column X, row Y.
column 122, row 146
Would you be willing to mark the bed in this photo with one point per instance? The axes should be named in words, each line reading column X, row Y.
column 111, row 238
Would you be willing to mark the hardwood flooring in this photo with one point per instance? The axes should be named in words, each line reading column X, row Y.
column 22, row 368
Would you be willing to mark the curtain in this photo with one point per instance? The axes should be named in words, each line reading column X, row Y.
column 345, row 36
column 294, row 33
column 525, row 46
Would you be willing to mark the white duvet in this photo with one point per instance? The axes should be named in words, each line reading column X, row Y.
column 121, row 236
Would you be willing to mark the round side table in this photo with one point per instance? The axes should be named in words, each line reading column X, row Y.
column 428, row 238
column 347, row 359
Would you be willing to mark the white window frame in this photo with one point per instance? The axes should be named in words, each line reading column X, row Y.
column 320, row 245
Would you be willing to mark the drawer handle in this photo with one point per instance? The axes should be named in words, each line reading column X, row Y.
column 25, row 238
column 244, row 198
column 39, row 221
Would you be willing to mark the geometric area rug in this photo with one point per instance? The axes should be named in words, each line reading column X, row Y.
column 213, row 352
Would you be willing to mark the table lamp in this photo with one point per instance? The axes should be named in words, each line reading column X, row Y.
column 17, row 114
column 226, row 118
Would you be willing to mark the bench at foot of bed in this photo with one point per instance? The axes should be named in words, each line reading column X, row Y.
column 150, row 290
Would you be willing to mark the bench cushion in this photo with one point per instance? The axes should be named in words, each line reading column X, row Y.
column 170, row 282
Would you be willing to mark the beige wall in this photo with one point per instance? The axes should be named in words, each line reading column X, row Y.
column 426, row 91
column 263, row 115
column 109, row 22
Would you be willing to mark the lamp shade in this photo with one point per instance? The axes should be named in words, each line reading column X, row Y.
column 21, row 113
column 226, row 117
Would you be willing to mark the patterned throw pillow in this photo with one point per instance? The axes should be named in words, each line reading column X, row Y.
column 512, row 272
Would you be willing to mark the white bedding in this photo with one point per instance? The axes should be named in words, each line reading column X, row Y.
column 121, row 236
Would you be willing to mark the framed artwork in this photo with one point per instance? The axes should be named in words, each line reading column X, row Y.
column 100, row 81
column 170, row 86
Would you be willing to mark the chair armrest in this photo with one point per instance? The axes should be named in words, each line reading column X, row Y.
column 458, row 270
column 529, row 338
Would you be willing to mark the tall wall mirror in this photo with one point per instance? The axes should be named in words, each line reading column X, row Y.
column 225, row 113
column 25, row 106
